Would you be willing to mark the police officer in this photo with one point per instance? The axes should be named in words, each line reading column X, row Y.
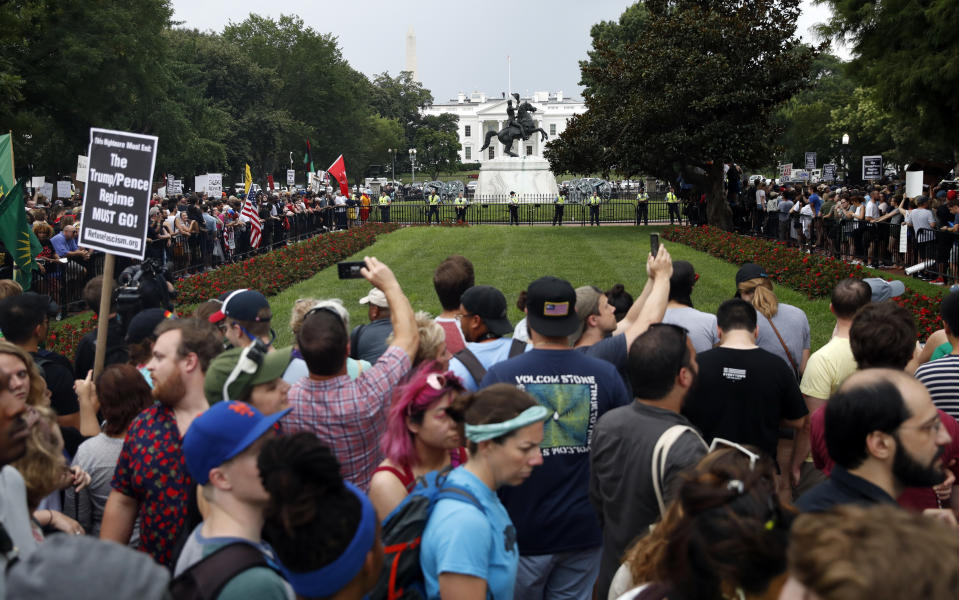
column 384, row 204
column 672, row 203
column 558, row 207
column 594, row 202
column 460, row 204
column 642, row 207
column 513, row 204
column 433, row 208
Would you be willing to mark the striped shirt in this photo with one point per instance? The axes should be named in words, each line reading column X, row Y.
column 348, row 415
column 941, row 378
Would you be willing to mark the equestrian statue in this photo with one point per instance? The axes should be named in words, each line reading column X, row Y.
column 520, row 125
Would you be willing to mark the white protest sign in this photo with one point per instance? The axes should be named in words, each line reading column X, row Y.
column 83, row 163
column 913, row 183
column 903, row 238
column 199, row 183
column 46, row 190
column 116, row 204
column 37, row 182
column 175, row 187
column 161, row 192
column 290, row 177
column 214, row 184
column 63, row 189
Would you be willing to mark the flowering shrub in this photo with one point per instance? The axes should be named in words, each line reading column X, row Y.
column 811, row 274
column 269, row 273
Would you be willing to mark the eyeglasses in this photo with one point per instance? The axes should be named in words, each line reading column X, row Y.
column 753, row 457
column 933, row 426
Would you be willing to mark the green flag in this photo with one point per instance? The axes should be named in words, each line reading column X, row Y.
column 17, row 236
column 7, row 180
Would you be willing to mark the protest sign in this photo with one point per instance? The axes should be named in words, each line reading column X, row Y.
column 83, row 164
column 786, row 171
column 46, row 190
column 913, row 183
column 872, row 167
column 117, row 200
column 214, row 184
column 810, row 161
column 37, row 182
column 175, row 187
column 290, row 177
column 63, row 189
column 829, row 171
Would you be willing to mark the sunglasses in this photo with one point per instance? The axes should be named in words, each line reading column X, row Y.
column 753, row 457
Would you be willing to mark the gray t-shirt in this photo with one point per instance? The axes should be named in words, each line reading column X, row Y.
column 15, row 517
column 700, row 325
column 921, row 218
column 98, row 456
column 621, row 485
column 793, row 326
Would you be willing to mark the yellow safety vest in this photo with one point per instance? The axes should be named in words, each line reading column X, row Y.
column 513, row 200
column 434, row 199
column 594, row 200
column 384, row 200
column 671, row 198
column 642, row 197
column 561, row 200
column 459, row 201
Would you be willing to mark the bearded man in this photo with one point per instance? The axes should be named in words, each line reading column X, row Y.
column 151, row 481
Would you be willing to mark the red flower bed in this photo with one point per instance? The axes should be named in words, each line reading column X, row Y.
column 269, row 273
column 811, row 274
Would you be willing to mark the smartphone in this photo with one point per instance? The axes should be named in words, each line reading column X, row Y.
column 350, row 270
column 654, row 244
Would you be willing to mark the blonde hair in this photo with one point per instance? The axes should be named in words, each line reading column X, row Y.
column 38, row 387
column 9, row 287
column 43, row 467
column 305, row 305
column 764, row 299
column 432, row 338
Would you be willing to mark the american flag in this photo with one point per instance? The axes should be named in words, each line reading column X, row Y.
column 249, row 215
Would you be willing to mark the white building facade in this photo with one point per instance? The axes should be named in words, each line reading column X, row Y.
column 478, row 114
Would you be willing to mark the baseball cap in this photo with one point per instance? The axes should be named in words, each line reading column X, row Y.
column 222, row 432
column 883, row 290
column 750, row 271
column 272, row 367
column 242, row 305
column 376, row 297
column 490, row 304
column 144, row 322
column 551, row 307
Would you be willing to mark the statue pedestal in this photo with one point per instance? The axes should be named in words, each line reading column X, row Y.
column 528, row 176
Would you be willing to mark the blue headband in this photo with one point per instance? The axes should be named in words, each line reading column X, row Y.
column 333, row 577
column 489, row 431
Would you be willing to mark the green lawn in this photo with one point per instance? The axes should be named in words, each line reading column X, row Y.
column 510, row 258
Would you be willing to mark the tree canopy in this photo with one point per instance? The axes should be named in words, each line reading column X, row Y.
column 696, row 88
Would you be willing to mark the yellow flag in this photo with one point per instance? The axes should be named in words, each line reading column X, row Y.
column 247, row 181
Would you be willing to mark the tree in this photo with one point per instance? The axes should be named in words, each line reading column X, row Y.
column 695, row 90
column 907, row 53
column 437, row 143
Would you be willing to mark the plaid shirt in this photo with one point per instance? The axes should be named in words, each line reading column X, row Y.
column 349, row 416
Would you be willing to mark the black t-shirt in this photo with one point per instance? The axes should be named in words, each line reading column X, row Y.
column 87, row 349
column 58, row 373
column 742, row 395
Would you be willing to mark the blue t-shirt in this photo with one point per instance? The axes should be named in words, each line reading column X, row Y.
column 460, row 538
column 816, row 202
column 551, row 508
column 613, row 350
column 487, row 353
column 61, row 245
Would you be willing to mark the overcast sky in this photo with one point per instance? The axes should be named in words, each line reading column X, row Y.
column 460, row 47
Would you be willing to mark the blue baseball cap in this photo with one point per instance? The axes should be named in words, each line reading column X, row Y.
column 222, row 432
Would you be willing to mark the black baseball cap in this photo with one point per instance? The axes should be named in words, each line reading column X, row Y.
column 750, row 271
column 490, row 304
column 551, row 307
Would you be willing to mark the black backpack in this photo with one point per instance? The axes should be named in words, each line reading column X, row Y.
column 402, row 532
column 476, row 368
column 207, row 578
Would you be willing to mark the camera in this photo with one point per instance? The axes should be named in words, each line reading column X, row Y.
column 140, row 287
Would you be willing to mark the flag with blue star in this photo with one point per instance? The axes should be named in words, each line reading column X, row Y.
column 17, row 236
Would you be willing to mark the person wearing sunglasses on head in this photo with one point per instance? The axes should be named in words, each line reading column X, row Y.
column 639, row 450
column 421, row 436
column 727, row 516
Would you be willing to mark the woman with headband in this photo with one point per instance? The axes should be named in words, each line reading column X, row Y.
column 323, row 529
column 420, row 437
column 470, row 552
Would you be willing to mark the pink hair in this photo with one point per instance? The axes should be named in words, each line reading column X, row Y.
column 414, row 399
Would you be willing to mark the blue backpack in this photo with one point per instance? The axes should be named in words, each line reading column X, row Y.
column 402, row 532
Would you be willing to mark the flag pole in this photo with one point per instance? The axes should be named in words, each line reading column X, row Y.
column 103, row 318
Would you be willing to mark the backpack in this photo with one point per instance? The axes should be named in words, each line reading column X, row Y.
column 207, row 578
column 476, row 368
column 402, row 532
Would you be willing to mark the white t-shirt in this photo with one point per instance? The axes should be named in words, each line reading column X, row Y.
column 872, row 211
column 760, row 199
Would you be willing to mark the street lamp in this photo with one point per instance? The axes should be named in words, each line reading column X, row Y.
column 845, row 152
column 413, row 163
column 392, row 152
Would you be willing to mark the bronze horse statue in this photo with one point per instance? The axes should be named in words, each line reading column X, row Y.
column 519, row 126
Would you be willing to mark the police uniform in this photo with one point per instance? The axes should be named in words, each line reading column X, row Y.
column 433, row 209
column 642, row 208
column 460, row 204
column 558, row 207
column 384, row 204
column 513, row 209
column 672, row 203
column 594, row 202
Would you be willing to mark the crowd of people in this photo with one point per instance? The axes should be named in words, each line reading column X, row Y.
column 604, row 447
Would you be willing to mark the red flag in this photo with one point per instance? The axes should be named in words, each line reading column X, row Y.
column 269, row 181
column 338, row 170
